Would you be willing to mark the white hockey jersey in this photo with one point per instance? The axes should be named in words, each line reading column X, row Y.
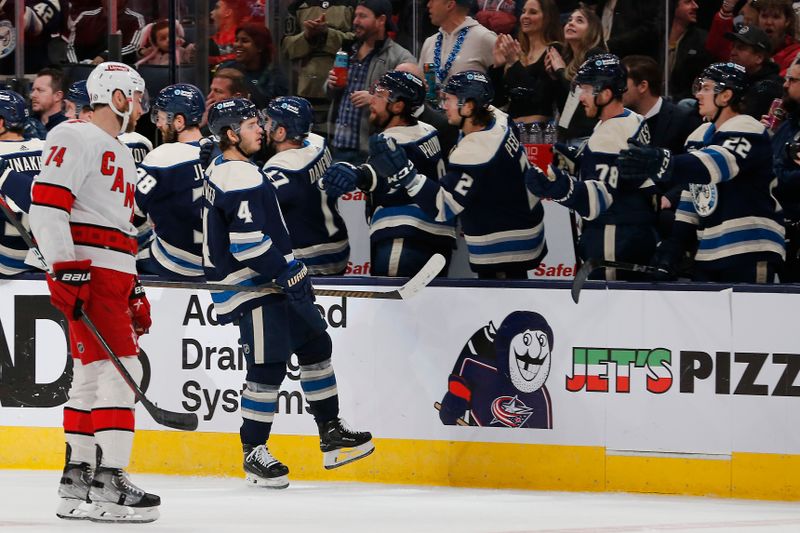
column 83, row 199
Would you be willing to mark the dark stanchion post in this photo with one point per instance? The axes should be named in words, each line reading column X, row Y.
column 114, row 35
column 19, row 51
column 201, row 62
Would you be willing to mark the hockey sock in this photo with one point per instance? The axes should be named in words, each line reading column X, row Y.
column 113, row 411
column 319, row 385
column 78, row 428
column 259, row 401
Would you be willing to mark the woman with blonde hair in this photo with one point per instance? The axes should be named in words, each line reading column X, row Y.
column 519, row 74
column 583, row 38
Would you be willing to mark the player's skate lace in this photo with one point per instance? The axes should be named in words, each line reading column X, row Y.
column 261, row 455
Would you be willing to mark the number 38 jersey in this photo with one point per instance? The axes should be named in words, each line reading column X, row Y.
column 82, row 201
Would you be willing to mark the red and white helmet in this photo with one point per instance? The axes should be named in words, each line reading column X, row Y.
column 111, row 76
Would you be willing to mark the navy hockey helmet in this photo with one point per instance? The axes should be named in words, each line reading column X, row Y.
column 603, row 71
column 470, row 85
column 180, row 99
column 79, row 95
column 725, row 76
column 293, row 113
column 230, row 114
column 403, row 87
column 13, row 109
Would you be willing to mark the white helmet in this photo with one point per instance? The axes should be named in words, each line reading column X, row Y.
column 108, row 77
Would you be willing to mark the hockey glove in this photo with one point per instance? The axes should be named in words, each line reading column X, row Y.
column 339, row 179
column 69, row 287
column 565, row 157
column 295, row 282
column 640, row 162
column 139, row 308
column 207, row 149
column 456, row 400
column 556, row 185
column 666, row 259
column 391, row 162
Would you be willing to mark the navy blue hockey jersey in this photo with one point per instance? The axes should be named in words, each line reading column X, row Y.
column 393, row 214
column 729, row 200
column 169, row 192
column 24, row 161
column 484, row 185
column 139, row 145
column 245, row 240
column 317, row 230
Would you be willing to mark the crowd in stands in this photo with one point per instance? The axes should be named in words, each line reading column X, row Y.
column 530, row 50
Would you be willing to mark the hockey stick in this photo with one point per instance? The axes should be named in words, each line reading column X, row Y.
column 593, row 264
column 420, row 280
column 182, row 421
column 459, row 421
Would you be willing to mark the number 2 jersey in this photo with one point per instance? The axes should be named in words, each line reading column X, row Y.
column 82, row 201
column 169, row 193
column 317, row 230
column 503, row 223
column 729, row 202
column 245, row 240
column 24, row 160
column 394, row 214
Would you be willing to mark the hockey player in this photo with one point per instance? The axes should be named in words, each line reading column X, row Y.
column 76, row 103
column 246, row 243
column 318, row 232
column 82, row 205
column 728, row 204
column 618, row 218
column 503, row 224
column 402, row 236
column 170, row 187
column 20, row 161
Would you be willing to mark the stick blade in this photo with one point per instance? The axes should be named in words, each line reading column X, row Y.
column 422, row 278
column 181, row 421
column 580, row 278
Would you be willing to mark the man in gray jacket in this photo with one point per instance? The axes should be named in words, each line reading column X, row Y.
column 371, row 55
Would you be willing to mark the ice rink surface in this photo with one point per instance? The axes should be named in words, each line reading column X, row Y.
column 28, row 502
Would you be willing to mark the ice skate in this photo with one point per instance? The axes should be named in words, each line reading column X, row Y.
column 74, row 492
column 341, row 445
column 262, row 469
column 116, row 499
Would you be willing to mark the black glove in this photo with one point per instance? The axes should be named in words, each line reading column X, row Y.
column 343, row 177
column 667, row 259
column 390, row 161
column 556, row 184
column 295, row 282
column 207, row 148
column 640, row 162
column 456, row 400
column 566, row 157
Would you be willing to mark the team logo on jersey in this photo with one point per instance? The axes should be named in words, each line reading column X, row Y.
column 499, row 377
column 705, row 198
column 510, row 412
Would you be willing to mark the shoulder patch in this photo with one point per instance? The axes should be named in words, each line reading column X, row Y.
column 611, row 136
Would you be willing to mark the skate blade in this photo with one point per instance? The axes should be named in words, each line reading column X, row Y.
column 280, row 482
column 111, row 512
column 74, row 509
column 343, row 456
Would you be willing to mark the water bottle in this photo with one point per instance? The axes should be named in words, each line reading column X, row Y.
column 535, row 134
column 550, row 134
column 523, row 133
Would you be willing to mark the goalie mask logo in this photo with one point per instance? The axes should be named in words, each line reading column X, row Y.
column 499, row 378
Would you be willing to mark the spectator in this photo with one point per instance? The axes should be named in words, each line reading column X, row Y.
column 41, row 20
column 668, row 123
column 519, row 74
column 253, row 51
column 717, row 45
column 751, row 49
column 371, row 55
column 777, row 19
column 47, row 97
column 226, row 15
column 583, row 38
column 319, row 28
column 155, row 41
column 87, row 31
column 786, row 163
column 687, row 50
column 461, row 42
column 631, row 26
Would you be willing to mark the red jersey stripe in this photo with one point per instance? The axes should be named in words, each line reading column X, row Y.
column 55, row 196
column 110, row 418
column 100, row 237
